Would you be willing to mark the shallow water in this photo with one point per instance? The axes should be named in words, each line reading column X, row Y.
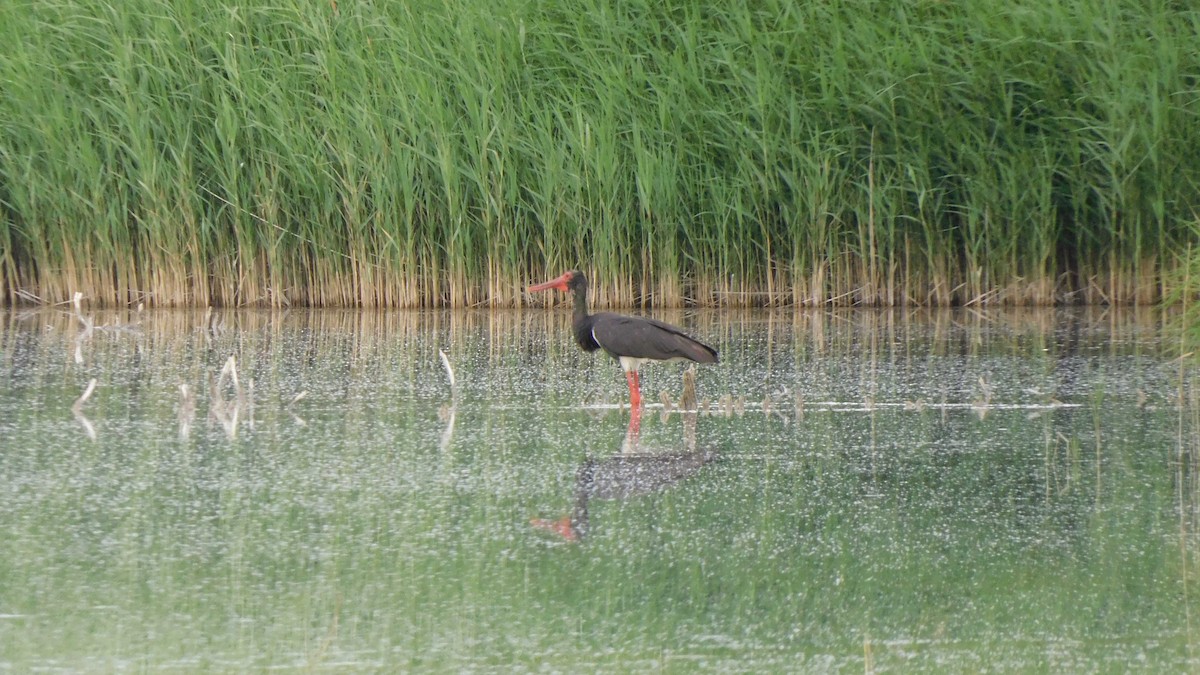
column 860, row 490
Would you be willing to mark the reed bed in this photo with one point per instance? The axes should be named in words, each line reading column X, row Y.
column 417, row 154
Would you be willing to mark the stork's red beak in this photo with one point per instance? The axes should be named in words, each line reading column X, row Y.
column 560, row 283
column 562, row 527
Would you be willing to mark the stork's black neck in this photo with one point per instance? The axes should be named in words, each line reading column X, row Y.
column 581, row 302
column 581, row 320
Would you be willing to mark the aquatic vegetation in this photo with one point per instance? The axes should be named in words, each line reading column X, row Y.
column 1183, row 292
column 201, row 152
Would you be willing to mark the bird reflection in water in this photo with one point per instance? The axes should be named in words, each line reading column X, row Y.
column 634, row 471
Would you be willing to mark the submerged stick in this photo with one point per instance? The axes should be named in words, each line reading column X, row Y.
column 230, row 369
column 187, row 411
column 26, row 295
column 296, row 399
column 450, row 411
column 77, row 410
column 220, row 409
column 87, row 323
column 83, row 399
column 86, row 424
column 449, row 370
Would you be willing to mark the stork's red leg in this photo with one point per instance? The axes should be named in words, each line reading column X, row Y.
column 635, row 389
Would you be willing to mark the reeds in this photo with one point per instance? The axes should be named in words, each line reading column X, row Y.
column 1184, row 293
column 412, row 154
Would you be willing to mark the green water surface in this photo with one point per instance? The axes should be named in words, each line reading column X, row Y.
column 861, row 491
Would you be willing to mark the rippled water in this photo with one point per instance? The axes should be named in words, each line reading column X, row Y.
column 859, row 490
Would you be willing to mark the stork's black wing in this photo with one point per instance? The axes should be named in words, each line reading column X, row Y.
column 643, row 338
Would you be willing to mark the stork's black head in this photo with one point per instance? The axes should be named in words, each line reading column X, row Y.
column 570, row 282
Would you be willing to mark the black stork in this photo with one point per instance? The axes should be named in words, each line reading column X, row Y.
column 631, row 340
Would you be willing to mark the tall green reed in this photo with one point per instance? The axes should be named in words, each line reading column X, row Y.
column 421, row 154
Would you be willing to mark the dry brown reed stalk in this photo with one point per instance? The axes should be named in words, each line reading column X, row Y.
column 252, row 282
column 687, row 398
column 664, row 399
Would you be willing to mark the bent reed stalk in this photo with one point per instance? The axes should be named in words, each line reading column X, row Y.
column 203, row 152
